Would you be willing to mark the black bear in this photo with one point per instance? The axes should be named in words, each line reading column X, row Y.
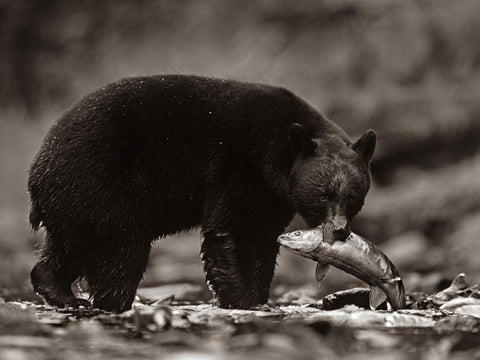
column 151, row 156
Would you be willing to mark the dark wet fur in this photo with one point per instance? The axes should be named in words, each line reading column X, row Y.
column 148, row 157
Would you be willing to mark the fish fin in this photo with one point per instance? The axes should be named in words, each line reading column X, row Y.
column 377, row 297
column 460, row 282
column 321, row 270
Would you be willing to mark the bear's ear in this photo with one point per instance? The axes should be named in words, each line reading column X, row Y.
column 365, row 146
column 300, row 142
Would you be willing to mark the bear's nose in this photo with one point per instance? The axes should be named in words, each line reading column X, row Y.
column 341, row 234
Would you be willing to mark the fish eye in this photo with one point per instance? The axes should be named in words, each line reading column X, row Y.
column 297, row 233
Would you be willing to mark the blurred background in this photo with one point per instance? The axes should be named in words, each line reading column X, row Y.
column 408, row 69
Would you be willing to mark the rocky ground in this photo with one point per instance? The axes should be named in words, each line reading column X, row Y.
column 445, row 325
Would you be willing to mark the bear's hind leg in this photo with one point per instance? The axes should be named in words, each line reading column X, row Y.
column 113, row 273
column 53, row 276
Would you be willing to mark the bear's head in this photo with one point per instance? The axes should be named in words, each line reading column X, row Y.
column 330, row 177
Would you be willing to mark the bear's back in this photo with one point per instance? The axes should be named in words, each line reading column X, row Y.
column 160, row 139
column 173, row 120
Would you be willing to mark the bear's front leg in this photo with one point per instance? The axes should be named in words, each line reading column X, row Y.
column 238, row 271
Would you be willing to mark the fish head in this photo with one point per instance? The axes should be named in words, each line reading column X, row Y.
column 302, row 242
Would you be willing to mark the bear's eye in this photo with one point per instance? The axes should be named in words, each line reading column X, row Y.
column 323, row 198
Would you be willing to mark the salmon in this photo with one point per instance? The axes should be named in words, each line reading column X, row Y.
column 354, row 255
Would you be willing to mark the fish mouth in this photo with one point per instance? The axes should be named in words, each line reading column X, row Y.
column 284, row 240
